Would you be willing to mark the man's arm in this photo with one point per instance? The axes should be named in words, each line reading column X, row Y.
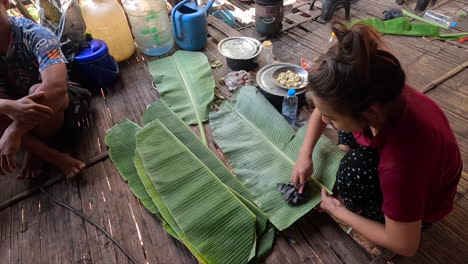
column 54, row 88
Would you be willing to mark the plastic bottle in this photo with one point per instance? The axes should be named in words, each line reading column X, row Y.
column 289, row 110
column 268, row 51
column 439, row 19
column 105, row 20
column 150, row 25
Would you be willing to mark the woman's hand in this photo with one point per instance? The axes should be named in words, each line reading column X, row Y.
column 329, row 203
column 302, row 172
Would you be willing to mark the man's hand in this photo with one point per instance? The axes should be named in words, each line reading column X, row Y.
column 329, row 203
column 9, row 145
column 301, row 173
column 27, row 111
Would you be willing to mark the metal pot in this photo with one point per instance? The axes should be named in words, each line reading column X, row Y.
column 241, row 53
column 272, row 92
column 268, row 16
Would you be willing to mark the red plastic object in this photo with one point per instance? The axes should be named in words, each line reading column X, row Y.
column 463, row 39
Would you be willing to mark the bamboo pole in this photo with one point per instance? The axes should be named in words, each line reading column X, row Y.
column 444, row 77
column 21, row 196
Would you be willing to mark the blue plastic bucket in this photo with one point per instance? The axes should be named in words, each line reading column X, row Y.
column 97, row 68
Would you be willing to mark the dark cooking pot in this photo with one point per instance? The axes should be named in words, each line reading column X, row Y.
column 241, row 52
column 268, row 16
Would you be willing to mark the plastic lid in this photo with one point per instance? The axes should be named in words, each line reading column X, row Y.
column 454, row 24
column 96, row 49
column 238, row 47
column 291, row 92
column 267, row 43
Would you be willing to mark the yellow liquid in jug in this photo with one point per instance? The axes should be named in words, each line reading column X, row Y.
column 105, row 20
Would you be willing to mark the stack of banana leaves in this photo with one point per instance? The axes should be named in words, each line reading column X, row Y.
column 219, row 215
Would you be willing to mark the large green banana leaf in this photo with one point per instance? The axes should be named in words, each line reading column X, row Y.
column 263, row 148
column 185, row 82
column 122, row 142
column 160, row 111
column 215, row 225
column 122, row 145
column 168, row 222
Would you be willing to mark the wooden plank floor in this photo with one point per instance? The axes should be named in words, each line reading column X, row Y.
column 36, row 230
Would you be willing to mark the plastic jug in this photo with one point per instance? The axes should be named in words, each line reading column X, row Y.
column 105, row 20
column 190, row 25
column 150, row 25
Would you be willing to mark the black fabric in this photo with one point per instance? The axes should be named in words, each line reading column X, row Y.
column 358, row 183
column 290, row 193
column 392, row 13
column 357, row 180
column 79, row 104
column 346, row 138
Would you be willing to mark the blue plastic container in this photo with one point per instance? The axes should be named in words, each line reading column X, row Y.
column 97, row 68
column 226, row 16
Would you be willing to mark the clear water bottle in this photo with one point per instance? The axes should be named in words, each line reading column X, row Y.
column 289, row 110
column 439, row 19
column 150, row 25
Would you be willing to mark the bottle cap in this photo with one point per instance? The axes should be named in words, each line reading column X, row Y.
column 267, row 44
column 291, row 92
column 454, row 24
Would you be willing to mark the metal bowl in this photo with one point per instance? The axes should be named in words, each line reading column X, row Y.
column 297, row 70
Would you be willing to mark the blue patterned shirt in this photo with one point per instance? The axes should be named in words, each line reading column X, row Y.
column 32, row 49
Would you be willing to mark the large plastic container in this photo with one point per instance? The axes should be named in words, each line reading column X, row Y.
column 97, row 69
column 105, row 20
column 150, row 25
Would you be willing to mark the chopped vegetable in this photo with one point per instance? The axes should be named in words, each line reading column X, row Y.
column 289, row 79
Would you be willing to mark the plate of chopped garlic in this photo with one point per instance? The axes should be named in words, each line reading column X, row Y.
column 289, row 77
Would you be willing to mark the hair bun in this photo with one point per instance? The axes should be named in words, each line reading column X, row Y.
column 356, row 45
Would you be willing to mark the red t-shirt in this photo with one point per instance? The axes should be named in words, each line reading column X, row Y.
column 420, row 163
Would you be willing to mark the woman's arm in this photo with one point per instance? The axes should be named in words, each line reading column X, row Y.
column 304, row 167
column 315, row 129
column 401, row 237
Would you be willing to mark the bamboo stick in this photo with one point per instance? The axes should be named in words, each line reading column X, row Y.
column 444, row 77
column 21, row 196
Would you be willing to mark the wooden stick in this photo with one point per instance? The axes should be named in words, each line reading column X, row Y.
column 21, row 196
column 444, row 77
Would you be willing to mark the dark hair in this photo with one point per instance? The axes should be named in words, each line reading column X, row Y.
column 356, row 72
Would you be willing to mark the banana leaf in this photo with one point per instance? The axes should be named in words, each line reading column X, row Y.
column 122, row 142
column 160, row 111
column 168, row 222
column 122, row 145
column 185, row 82
column 214, row 224
column 263, row 148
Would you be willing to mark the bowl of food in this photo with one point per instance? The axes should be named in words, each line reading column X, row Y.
column 291, row 77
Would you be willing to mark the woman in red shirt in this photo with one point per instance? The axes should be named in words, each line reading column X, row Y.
column 402, row 165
